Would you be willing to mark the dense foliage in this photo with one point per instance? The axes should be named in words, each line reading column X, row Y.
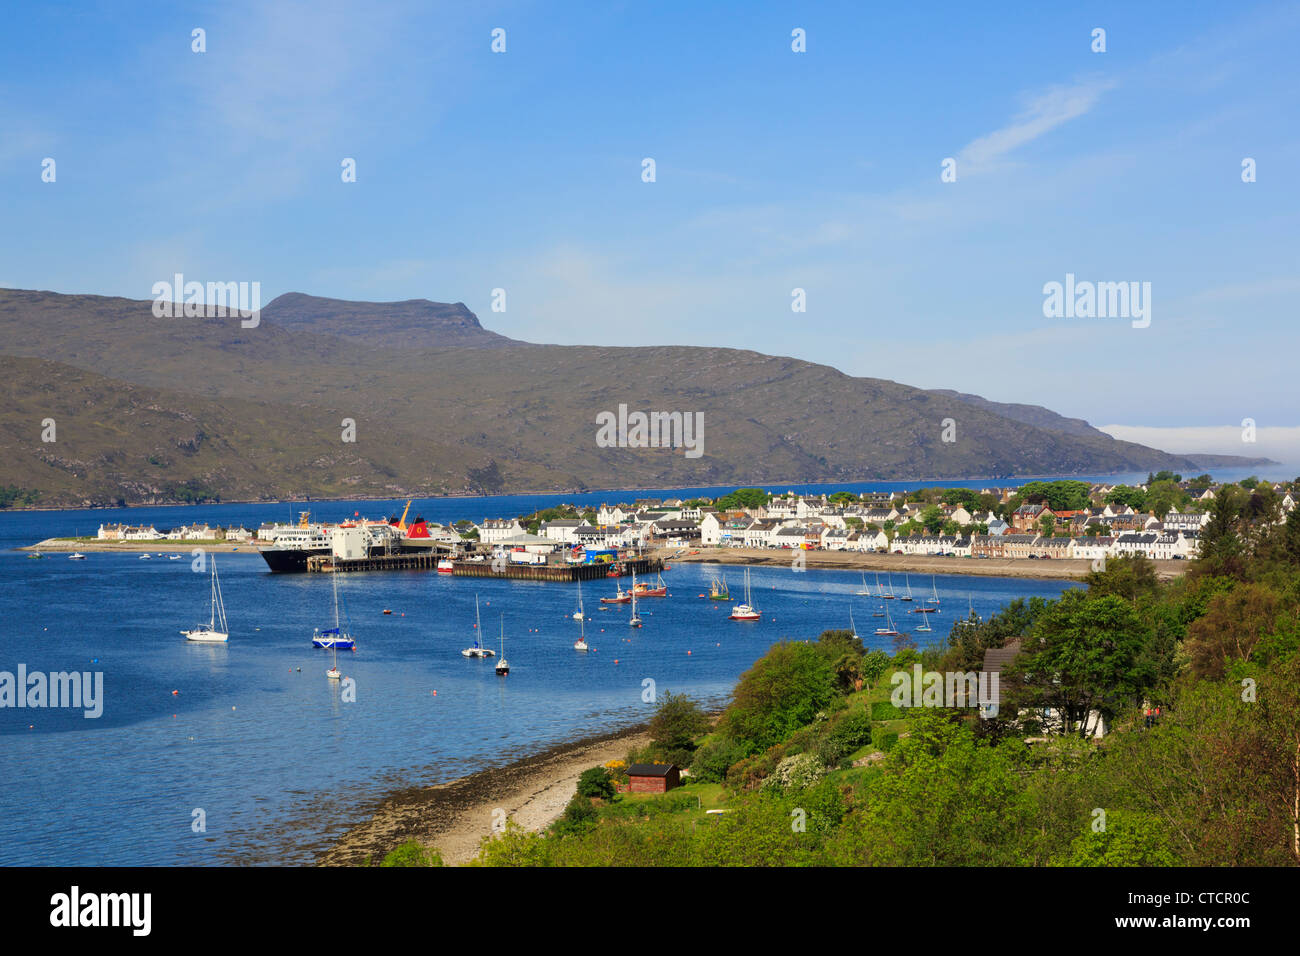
column 811, row 764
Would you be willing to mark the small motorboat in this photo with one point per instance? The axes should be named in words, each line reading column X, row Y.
column 620, row 597
column 76, row 556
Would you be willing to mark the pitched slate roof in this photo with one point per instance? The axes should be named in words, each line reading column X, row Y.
column 650, row 769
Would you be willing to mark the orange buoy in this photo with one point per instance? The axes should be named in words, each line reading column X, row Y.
column 688, row 653
column 176, row 693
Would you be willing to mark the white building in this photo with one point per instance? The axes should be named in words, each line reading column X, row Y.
column 493, row 530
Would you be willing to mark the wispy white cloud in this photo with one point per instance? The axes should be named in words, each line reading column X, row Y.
column 1043, row 113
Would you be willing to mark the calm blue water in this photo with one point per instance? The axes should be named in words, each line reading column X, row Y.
column 280, row 765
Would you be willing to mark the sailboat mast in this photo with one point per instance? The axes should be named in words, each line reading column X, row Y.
column 219, row 604
column 335, row 581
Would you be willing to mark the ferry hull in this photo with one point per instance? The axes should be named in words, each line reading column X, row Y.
column 286, row 560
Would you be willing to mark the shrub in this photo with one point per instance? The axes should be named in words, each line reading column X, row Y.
column 747, row 774
column 714, row 759
column 596, row 782
column 849, row 733
column 515, row 847
column 883, row 739
column 884, row 710
column 411, row 853
column 579, row 817
column 651, row 806
column 795, row 773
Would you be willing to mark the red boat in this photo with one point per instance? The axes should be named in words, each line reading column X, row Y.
column 659, row 590
column 621, row 597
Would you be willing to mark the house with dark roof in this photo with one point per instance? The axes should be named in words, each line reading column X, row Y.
column 652, row 777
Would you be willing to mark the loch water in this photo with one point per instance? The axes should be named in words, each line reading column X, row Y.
column 252, row 739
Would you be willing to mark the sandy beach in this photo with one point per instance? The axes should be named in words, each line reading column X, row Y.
column 1046, row 569
column 455, row 816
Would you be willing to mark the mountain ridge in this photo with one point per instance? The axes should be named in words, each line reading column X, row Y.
column 469, row 411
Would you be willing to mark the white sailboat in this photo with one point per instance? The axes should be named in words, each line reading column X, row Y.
column 745, row 611
column 210, row 633
column 934, row 590
column 852, row 624
column 635, row 620
column 581, row 643
column 579, row 614
column 888, row 631
column 503, row 665
column 908, row 581
column 478, row 650
column 334, row 673
column 865, row 590
column 336, row 636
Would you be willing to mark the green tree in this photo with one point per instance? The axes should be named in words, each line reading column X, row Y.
column 743, row 498
column 1163, row 496
column 1130, row 576
column 1222, row 550
column 932, row 519
column 1084, row 653
column 1127, row 497
column 782, row 692
column 873, row 666
column 1233, row 624
column 1130, row 838
column 677, row 721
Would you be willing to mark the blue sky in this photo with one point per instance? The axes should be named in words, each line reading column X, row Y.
column 775, row 170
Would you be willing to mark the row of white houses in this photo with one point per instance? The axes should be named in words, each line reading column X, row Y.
column 196, row 532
